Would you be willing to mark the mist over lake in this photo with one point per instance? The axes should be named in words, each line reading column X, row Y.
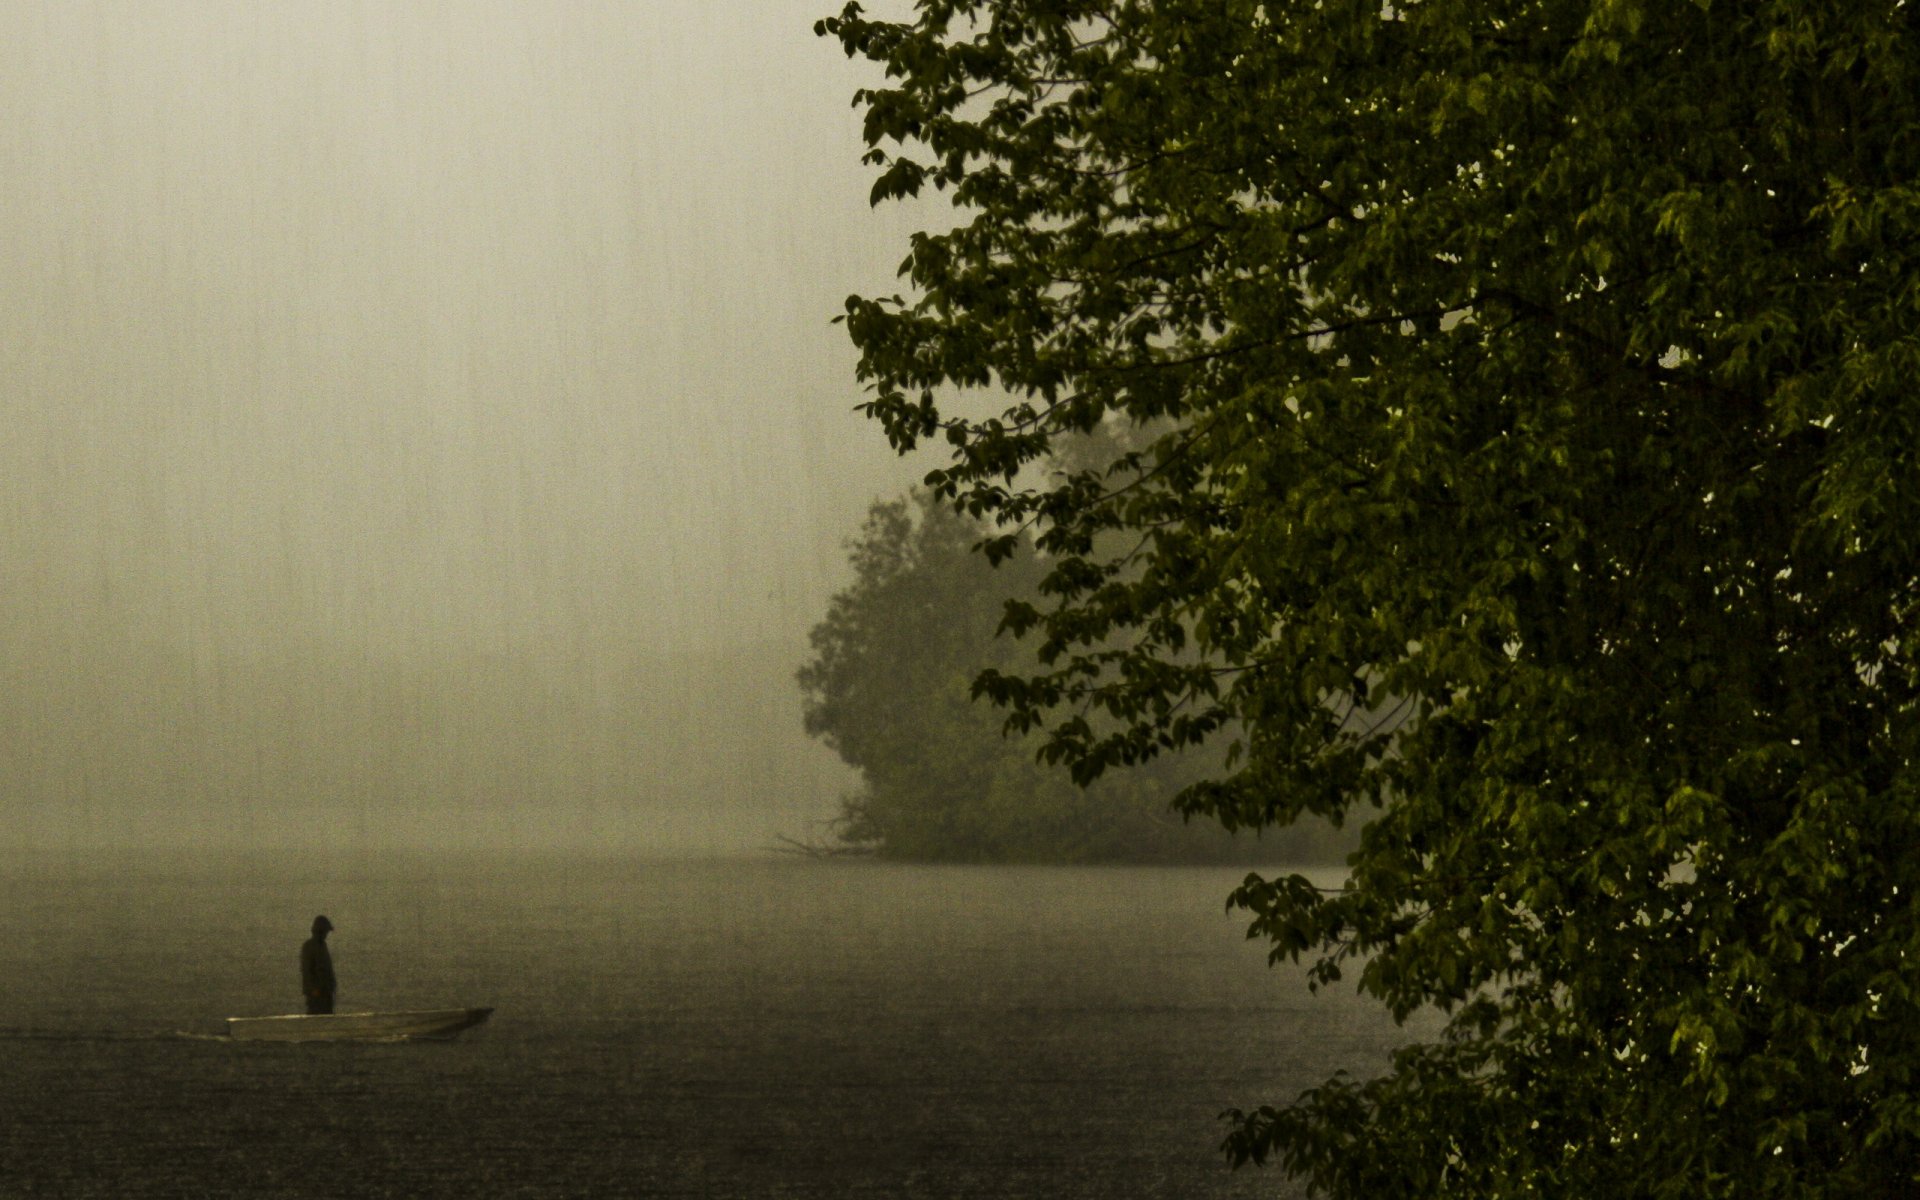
column 721, row 1028
column 425, row 425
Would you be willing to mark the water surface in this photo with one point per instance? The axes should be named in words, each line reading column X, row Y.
column 722, row 1028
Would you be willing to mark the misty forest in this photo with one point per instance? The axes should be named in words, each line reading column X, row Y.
column 1056, row 598
column 891, row 689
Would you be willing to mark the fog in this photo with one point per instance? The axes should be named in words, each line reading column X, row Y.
column 423, row 424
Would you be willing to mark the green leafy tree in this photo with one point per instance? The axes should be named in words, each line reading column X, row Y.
column 1537, row 478
column 889, row 687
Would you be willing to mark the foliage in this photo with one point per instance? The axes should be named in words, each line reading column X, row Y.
column 889, row 688
column 1540, row 458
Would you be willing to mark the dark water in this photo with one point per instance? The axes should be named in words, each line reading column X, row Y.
column 726, row 1029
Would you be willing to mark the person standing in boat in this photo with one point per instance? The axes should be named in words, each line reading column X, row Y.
column 316, row 968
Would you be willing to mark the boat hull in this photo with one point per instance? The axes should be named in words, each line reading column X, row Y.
column 356, row 1027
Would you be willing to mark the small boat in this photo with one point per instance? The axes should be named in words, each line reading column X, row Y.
column 357, row 1026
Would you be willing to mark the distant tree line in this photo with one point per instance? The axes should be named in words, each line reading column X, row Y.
column 890, row 688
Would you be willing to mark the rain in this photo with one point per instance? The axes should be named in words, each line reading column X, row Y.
column 427, row 446
column 424, row 425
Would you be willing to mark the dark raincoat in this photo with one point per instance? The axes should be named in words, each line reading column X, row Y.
column 316, row 970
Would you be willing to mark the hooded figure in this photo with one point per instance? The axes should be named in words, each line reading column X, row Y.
column 316, row 968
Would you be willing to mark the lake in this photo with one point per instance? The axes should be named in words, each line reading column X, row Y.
column 750, row 1028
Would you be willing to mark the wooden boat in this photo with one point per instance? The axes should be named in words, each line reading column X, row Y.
column 357, row 1026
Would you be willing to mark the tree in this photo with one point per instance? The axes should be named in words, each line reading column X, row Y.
column 1538, row 485
column 889, row 687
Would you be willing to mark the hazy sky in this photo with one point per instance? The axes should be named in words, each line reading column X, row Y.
column 412, row 407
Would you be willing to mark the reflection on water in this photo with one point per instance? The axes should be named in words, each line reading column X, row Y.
column 728, row 1028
